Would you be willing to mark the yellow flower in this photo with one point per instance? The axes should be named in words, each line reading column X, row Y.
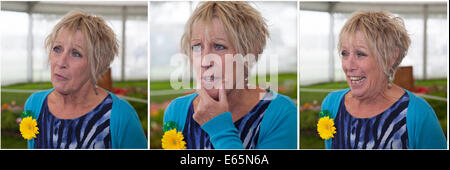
column 173, row 140
column 326, row 128
column 28, row 128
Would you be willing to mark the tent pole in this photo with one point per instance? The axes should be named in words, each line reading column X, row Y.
column 124, row 22
column 425, row 25
column 331, row 69
column 30, row 6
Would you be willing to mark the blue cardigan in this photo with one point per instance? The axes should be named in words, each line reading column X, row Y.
column 424, row 130
column 278, row 128
column 126, row 129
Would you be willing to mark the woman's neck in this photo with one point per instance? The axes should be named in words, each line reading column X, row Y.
column 372, row 105
column 76, row 98
column 75, row 104
column 241, row 101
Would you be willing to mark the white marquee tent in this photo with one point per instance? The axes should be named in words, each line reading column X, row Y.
column 320, row 23
column 26, row 24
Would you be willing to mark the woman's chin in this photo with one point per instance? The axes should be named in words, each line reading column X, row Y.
column 60, row 88
column 358, row 91
column 213, row 93
column 61, row 91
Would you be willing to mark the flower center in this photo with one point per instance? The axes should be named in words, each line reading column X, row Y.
column 174, row 141
column 30, row 127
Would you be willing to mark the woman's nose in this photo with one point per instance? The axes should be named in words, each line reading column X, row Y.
column 61, row 61
column 205, row 51
column 208, row 58
column 349, row 63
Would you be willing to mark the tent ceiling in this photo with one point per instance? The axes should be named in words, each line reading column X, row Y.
column 134, row 8
column 395, row 7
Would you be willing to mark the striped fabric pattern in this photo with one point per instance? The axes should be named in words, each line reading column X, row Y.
column 385, row 131
column 248, row 127
column 90, row 131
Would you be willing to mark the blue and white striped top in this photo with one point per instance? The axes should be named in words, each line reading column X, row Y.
column 385, row 131
column 90, row 131
column 248, row 127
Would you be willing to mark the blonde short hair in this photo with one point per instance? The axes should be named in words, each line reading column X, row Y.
column 245, row 26
column 385, row 35
column 100, row 41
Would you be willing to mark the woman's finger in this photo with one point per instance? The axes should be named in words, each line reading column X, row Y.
column 199, row 105
column 222, row 93
column 204, row 95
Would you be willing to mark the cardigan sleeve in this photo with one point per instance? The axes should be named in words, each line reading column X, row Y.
column 331, row 104
column 425, row 130
column 29, row 107
column 171, row 116
column 280, row 134
column 169, row 113
column 128, row 130
column 282, row 130
column 279, row 125
column 222, row 132
column 34, row 104
column 278, row 129
column 327, row 105
column 177, row 110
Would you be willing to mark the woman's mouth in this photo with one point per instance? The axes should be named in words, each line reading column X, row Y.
column 211, row 82
column 356, row 81
column 60, row 77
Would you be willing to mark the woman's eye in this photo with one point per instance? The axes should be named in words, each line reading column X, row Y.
column 219, row 47
column 196, row 48
column 76, row 54
column 344, row 53
column 361, row 54
column 56, row 49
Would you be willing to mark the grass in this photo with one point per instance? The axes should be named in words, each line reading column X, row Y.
column 161, row 85
column 289, row 80
column 309, row 138
column 10, row 131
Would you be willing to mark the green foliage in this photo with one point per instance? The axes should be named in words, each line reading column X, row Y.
column 156, row 129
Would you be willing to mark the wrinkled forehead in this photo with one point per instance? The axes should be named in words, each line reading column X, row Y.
column 213, row 28
column 74, row 36
column 353, row 38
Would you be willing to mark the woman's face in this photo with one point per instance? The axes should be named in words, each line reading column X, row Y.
column 210, row 43
column 363, row 73
column 69, row 63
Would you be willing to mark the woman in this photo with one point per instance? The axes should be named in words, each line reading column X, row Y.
column 374, row 113
column 76, row 113
column 216, row 117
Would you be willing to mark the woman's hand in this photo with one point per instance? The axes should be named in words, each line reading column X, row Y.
column 208, row 108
